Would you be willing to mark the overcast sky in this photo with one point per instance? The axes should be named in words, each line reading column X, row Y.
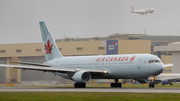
column 19, row 19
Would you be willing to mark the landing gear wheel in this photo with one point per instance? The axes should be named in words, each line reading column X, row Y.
column 119, row 85
column 112, row 85
column 80, row 85
column 116, row 84
column 151, row 85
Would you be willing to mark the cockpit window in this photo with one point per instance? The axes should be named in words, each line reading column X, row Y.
column 154, row 61
column 150, row 61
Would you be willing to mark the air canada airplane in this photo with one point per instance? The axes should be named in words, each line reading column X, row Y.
column 81, row 69
column 142, row 11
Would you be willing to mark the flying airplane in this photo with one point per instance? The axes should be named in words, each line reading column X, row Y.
column 142, row 11
column 82, row 69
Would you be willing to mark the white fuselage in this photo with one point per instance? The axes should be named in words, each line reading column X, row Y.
column 143, row 11
column 130, row 66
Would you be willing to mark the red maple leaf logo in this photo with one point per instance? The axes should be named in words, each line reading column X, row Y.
column 132, row 58
column 48, row 47
column 114, row 42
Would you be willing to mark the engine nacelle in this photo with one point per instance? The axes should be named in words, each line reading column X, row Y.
column 82, row 77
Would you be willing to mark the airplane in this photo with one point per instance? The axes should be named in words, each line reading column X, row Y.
column 167, row 78
column 81, row 69
column 142, row 11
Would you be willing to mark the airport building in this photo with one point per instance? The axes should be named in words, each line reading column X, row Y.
column 114, row 44
column 174, row 49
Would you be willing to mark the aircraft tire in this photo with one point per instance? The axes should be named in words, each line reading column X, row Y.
column 76, row 85
column 119, row 85
column 112, row 85
column 151, row 85
column 80, row 85
column 116, row 85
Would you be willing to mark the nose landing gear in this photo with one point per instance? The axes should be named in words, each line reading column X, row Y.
column 116, row 84
column 151, row 84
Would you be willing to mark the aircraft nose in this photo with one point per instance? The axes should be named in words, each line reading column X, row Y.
column 160, row 68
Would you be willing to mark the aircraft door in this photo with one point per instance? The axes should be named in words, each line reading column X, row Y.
column 139, row 63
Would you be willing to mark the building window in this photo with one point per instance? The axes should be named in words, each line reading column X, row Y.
column 79, row 48
column 101, row 48
column 38, row 50
column 60, row 49
column 18, row 51
column 3, row 51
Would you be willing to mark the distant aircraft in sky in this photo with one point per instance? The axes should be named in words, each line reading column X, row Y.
column 81, row 69
column 142, row 11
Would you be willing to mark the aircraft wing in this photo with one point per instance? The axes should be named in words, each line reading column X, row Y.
column 168, row 77
column 52, row 69
column 168, row 65
column 29, row 63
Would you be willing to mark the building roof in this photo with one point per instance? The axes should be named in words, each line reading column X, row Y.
column 175, row 46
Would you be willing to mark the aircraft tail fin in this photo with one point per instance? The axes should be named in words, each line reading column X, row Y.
column 50, row 48
column 132, row 8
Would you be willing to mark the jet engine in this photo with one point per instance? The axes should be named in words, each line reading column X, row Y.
column 82, row 77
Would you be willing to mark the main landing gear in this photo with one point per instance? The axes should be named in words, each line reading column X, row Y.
column 116, row 84
column 80, row 85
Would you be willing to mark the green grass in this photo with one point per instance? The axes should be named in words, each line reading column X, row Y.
column 79, row 96
column 86, row 96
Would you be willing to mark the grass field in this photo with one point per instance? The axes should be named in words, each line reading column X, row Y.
column 83, row 96
column 73, row 96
